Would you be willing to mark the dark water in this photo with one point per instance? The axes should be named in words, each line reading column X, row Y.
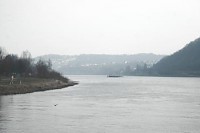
column 107, row 105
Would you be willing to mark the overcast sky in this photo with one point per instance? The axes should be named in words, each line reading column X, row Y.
column 98, row 26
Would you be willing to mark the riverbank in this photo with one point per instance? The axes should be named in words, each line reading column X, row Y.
column 33, row 85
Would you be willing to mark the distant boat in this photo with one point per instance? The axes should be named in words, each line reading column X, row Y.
column 114, row 76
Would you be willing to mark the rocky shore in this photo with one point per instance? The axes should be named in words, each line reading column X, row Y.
column 33, row 86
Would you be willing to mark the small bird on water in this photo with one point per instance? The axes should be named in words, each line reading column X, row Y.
column 55, row 104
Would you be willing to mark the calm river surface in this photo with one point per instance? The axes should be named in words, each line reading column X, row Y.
column 107, row 105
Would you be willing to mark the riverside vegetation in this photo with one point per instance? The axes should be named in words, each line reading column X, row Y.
column 19, row 75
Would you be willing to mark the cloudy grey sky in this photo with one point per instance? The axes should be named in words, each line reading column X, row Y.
column 98, row 26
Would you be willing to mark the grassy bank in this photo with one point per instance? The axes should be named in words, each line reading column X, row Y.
column 29, row 85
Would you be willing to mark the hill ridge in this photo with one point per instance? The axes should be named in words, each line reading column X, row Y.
column 184, row 62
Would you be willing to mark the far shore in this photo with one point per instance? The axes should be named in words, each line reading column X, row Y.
column 33, row 85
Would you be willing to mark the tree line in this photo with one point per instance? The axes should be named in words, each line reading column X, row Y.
column 24, row 66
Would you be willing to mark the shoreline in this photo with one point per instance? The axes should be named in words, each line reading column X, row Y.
column 43, row 85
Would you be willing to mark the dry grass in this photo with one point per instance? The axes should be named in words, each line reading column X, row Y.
column 29, row 85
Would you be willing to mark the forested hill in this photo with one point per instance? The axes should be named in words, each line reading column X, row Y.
column 185, row 62
column 100, row 63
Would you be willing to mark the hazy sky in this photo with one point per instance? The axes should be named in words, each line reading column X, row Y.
column 98, row 26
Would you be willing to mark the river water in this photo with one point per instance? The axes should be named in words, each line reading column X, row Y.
column 107, row 105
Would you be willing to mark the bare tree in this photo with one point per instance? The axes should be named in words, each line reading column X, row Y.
column 26, row 55
column 2, row 53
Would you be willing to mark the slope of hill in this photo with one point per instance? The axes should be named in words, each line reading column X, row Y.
column 185, row 62
column 99, row 64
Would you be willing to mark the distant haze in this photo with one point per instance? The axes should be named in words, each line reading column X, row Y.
column 98, row 26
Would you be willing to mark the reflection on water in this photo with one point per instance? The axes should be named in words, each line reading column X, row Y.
column 107, row 105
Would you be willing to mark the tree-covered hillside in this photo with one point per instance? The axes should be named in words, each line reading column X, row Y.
column 185, row 62
column 100, row 63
